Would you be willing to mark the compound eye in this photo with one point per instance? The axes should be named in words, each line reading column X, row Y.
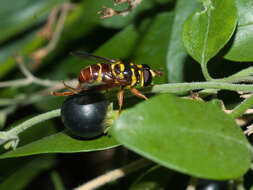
column 147, row 76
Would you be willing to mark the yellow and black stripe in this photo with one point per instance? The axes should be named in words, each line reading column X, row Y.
column 130, row 72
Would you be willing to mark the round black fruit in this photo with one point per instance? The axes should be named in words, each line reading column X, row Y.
column 83, row 114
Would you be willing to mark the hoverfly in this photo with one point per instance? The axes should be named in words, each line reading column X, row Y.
column 112, row 73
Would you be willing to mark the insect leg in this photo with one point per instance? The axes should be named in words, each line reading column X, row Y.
column 62, row 93
column 79, row 88
column 138, row 93
column 120, row 99
column 73, row 91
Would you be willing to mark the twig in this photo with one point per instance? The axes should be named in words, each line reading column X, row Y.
column 30, row 78
column 115, row 174
column 241, row 108
column 182, row 87
column 11, row 137
column 41, row 53
column 109, row 12
column 249, row 130
column 47, row 30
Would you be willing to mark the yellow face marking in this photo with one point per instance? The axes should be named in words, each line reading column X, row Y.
column 134, row 80
column 132, row 64
column 152, row 73
column 99, row 79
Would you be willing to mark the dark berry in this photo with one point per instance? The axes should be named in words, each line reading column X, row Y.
column 83, row 114
column 211, row 185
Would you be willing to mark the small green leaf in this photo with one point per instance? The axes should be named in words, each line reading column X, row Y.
column 207, row 31
column 25, row 174
column 62, row 143
column 242, row 44
column 189, row 136
column 176, row 55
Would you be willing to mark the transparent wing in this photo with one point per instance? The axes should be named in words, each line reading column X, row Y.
column 93, row 58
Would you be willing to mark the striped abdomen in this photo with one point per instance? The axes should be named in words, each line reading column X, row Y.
column 96, row 73
column 115, row 74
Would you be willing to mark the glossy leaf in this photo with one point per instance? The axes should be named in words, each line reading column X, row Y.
column 62, row 143
column 189, row 136
column 152, row 48
column 29, row 170
column 242, row 42
column 207, row 31
column 176, row 55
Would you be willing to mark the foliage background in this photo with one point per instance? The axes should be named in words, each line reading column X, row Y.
column 151, row 34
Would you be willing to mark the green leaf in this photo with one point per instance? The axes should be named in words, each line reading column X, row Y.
column 189, row 136
column 152, row 48
column 176, row 55
column 23, row 14
column 242, row 43
column 207, row 31
column 24, row 175
column 62, row 143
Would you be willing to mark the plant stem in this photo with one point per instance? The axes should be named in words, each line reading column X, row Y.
column 241, row 108
column 12, row 134
column 33, row 121
column 205, row 72
column 181, row 87
column 115, row 174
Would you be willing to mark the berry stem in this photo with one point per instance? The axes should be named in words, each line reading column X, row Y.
column 12, row 134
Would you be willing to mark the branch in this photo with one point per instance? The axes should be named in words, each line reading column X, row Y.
column 241, row 108
column 30, row 78
column 11, row 137
column 182, row 87
column 109, row 12
column 38, row 55
column 115, row 174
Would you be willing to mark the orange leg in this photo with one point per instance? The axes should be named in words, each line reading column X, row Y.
column 137, row 93
column 79, row 88
column 73, row 91
column 120, row 99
